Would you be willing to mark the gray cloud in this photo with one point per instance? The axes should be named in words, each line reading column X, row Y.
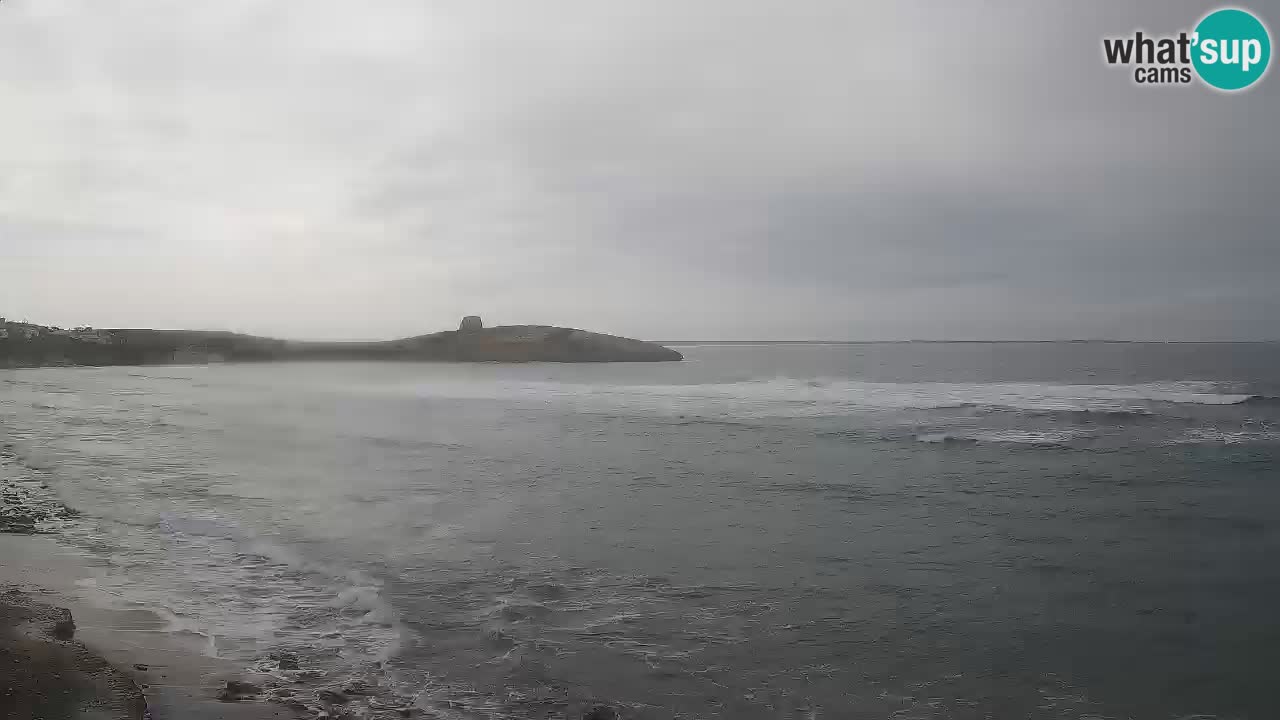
column 662, row 169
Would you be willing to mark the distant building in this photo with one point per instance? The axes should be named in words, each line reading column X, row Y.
column 87, row 334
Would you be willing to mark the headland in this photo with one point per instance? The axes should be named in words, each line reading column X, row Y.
column 29, row 345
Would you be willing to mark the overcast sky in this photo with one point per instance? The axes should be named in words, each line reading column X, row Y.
column 732, row 169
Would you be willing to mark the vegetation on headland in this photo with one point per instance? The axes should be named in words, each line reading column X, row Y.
column 29, row 345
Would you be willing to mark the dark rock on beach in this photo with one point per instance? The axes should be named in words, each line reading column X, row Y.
column 237, row 690
column 24, row 504
column 285, row 660
column 17, row 522
column 48, row 675
column 64, row 626
column 359, row 687
column 333, row 697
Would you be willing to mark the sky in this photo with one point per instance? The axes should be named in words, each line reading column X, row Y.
column 666, row 169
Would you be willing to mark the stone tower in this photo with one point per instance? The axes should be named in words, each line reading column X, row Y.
column 471, row 323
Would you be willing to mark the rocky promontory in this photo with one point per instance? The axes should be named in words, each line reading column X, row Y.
column 26, row 345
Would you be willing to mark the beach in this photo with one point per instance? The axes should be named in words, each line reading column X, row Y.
column 46, row 674
column 117, row 664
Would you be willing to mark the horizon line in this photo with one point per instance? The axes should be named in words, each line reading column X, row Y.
column 967, row 341
column 974, row 341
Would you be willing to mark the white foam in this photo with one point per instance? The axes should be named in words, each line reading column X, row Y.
column 1018, row 437
column 790, row 397
column 942, row 437
column 1219, row 436
column 246, row 596
column 1028, row 437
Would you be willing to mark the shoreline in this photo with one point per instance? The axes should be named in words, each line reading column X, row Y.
column 43, row 574
column 148, row 671
column 178, row 678
column 49, row 675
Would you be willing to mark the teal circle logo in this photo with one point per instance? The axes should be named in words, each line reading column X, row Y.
column 1231, row 49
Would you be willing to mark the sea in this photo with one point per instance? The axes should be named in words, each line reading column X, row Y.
column 1081, row 530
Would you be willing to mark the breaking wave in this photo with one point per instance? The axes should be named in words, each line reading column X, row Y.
column 1263, row 400
column 1016, row 437
column 1220, row 436
column 817, row 397
column 248, row 598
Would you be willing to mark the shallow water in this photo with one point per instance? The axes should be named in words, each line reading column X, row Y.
column 903, row 530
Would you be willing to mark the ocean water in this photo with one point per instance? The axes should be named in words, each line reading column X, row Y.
column 1047, row 530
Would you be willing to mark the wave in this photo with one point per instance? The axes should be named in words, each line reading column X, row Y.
column 1016, row 437
column 1262, row 400
column 1219, row 436
column 28, row 505
column 816, row 397
column 24, row 458
column 251, row 599
column 945, row 438
column 1114, row 415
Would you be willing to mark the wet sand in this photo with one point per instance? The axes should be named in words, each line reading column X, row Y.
column 120, row 664
column 45, row 673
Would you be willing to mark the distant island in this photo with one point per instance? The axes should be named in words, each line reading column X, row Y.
column 28, row 345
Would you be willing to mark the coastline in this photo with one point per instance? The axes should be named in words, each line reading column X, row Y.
column 27, row 345
column 121, row 663
column 170, row 671
column 47, row 674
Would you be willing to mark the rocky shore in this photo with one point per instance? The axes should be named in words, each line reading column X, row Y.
column 129, row 668
column 26, row 345
column 45, row 673
column 124, row 664
column 28, row 505
column 116, row 661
